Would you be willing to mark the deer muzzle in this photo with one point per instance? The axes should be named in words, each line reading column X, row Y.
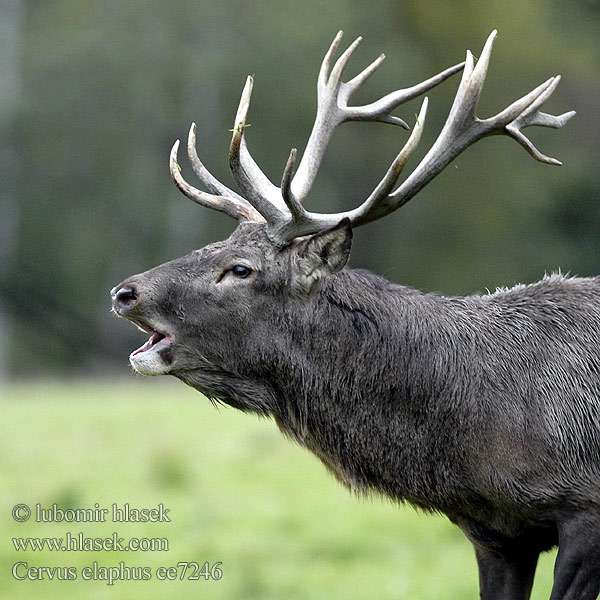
column 155, row 356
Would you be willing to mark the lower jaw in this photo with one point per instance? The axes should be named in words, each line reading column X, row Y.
column 152, row 362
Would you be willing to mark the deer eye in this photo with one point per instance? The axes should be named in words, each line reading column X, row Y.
column 240, row 271
column 237, row 271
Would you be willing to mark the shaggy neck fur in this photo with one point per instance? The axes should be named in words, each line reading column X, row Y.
column 425, row 376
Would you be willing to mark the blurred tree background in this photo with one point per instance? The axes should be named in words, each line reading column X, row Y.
column 93, row 94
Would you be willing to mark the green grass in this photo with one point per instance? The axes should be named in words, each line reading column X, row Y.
column 238, row 493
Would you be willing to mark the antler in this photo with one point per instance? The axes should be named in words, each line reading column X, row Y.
column 281, row 207
column 222, row 198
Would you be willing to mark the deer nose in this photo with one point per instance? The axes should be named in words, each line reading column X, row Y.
column 124, row 296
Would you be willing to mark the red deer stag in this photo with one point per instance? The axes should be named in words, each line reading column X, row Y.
column 485, row 408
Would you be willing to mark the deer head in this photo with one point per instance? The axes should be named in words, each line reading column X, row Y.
column 210, row 311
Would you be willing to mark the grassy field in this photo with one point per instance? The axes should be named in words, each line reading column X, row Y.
column 238, row 493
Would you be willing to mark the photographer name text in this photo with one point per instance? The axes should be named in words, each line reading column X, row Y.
column 116, row 513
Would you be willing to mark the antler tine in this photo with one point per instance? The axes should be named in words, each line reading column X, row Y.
column 373, row 203
column 333, row 109
column 326, row 63
column 532, row 116
column 296, row 210
column 359, row 79
column 235, row 206
column 254, row 184
column 378, row 111
column 338, row 69
column 211, row 182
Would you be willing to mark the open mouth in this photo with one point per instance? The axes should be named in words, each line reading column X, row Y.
column 158, row 341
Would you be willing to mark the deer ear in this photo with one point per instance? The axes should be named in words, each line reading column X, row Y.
column 323, row 254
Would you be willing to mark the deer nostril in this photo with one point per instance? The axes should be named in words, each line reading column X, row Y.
column 124, row 297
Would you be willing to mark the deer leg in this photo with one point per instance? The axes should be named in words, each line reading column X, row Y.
column 504, row 577
column 577, row 567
